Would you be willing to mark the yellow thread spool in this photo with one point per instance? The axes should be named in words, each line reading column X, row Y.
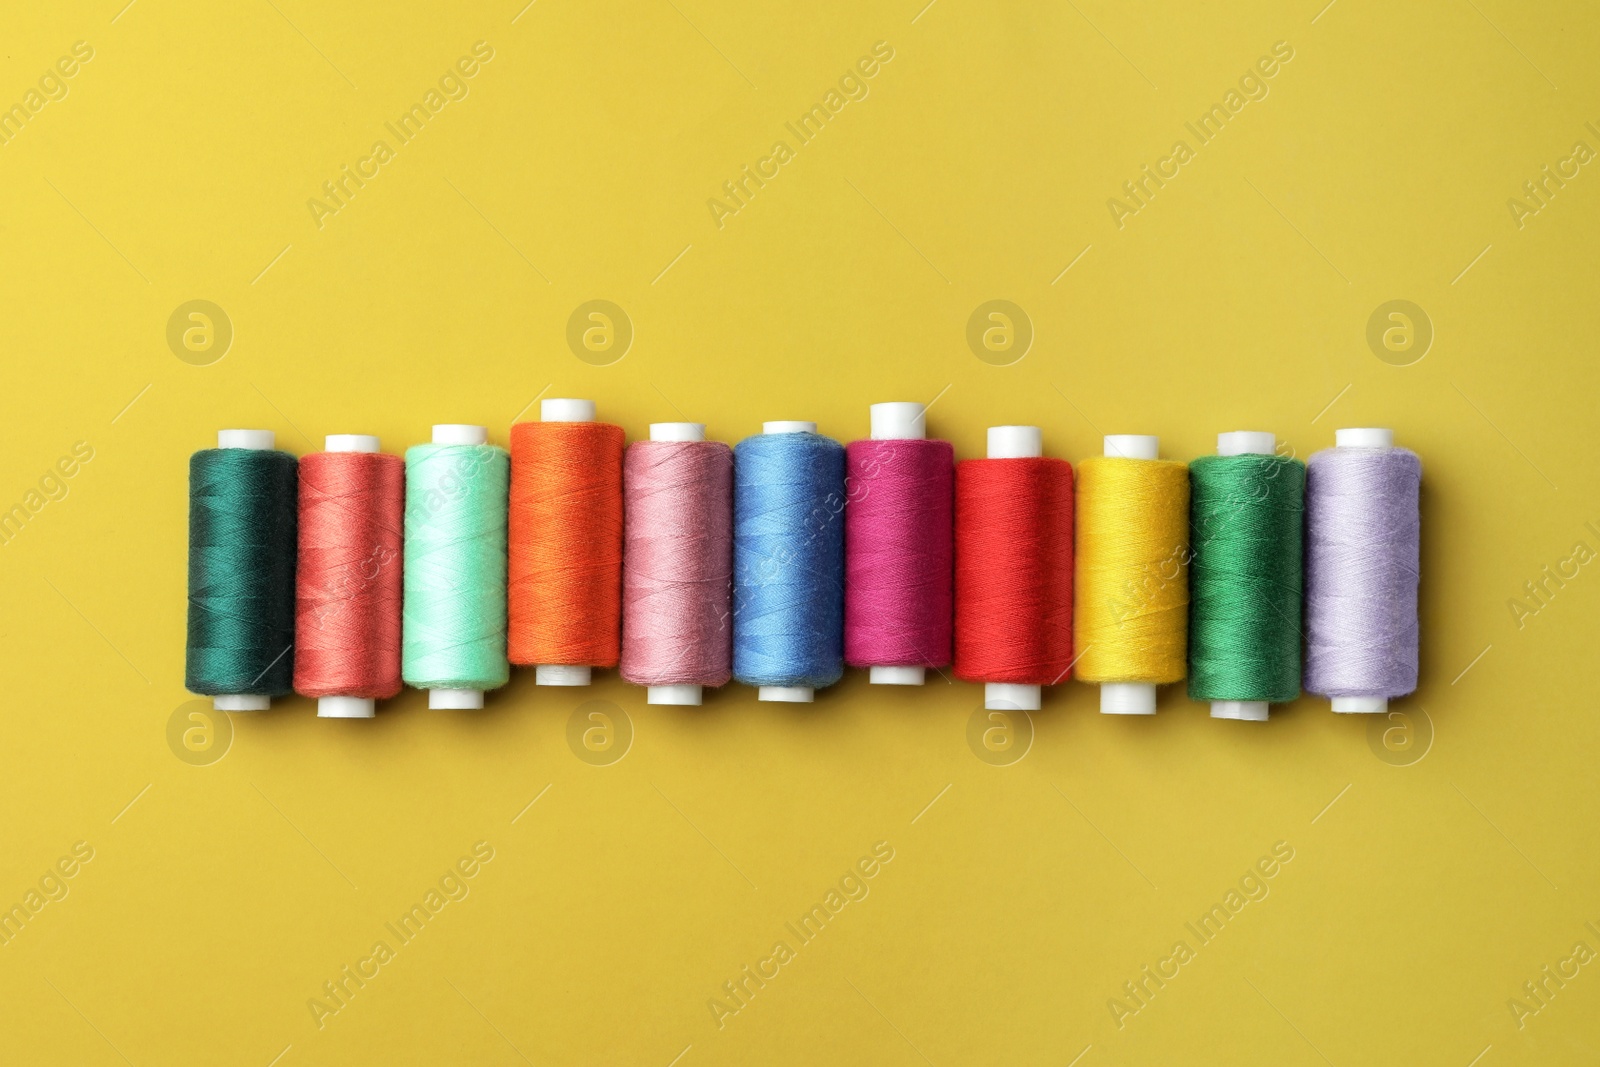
column 1131, row 594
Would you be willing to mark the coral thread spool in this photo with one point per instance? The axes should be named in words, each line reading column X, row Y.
column 677, row 563
column 1013, row 569
column 241, row 571
column 899, row 548
column 566, row 543
column 1132, row 583
column 347, row 588
column 1363, row 566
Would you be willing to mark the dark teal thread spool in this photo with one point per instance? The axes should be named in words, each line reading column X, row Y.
column 242, row 509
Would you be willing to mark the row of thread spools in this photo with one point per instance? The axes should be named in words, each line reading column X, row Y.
column 349, row 572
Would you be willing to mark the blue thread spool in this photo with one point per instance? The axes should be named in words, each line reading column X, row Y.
column 788, row 561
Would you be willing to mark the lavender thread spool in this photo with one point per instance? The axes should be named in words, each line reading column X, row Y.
column 1363, row 562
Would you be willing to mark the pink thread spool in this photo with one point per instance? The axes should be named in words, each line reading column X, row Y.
column 677, row 563
column 899, row 548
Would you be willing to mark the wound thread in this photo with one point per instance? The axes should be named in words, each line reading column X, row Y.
column 241, row 572
column 788, row 559
column 348, row 589
column 1246, row 517
column 454, row 626
column 899, row 553
column 1013, row 570
column 1133, row 562
column 1363, row 565
column 566, row 543
column 677, row 563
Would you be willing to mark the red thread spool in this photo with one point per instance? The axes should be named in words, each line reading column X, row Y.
column 1013, row 576
column 565, row 542
column 347, row 576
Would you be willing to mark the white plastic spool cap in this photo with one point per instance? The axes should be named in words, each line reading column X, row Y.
column 1243, row 443
column 256, row 441
column 788, row 694
column 460, row 433
column 350, row 442
column 1013, row 442
column 1129, row 698
column 788, row 427
column 897, row 675
column 346, row 708
column 566, row 410
column 685, row 695
column 899, row 420
column 455, row 699
column 561, row 674
column 1005, row 696
column 1363, row 437
column 678, row 431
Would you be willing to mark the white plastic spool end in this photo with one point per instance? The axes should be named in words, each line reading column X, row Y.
column 455, row 699
column 1361, row 705
column 460, row 433
column 346, row 707
column 1127, row 698
column 1015, row 442
column 1242, row 710
column 564, row 410
column 1364, row 437
column 787, row 694
column 240, row 701
column 899, row 420
column 684, row 695
column 350, row 442
column 677, row 431
column 254, row 440
column 1132, row 446
column 1246, row 443
column 898, row 675
column 1007, row 696
column 562, row 674
column 788, row 426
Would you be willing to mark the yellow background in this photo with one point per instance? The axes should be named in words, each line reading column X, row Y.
column 1422, row 893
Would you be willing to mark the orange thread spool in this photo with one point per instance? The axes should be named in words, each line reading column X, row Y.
column 564, row 601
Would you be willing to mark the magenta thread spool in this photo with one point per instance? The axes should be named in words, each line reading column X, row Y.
column 899, row 548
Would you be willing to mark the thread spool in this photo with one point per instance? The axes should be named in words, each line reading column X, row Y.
column 899, row 548
column 240, row 648
column 347, row 586
column 1132, row 581
column 1013, row 569
column 1363, row 564
column 677, row 563
column 788, row 561
column 1247, row 511
column 454, row 627
column 566, row 543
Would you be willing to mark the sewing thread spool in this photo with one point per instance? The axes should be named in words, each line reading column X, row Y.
column 899, row 548
column 1133, row 572
column 788, row 561
column 347, row 585
column 1247, row 511
column 566, row 543
column 240, row 648
column 1013, row 569
column 1363, row 564
column 677, row 563
column 454, row 627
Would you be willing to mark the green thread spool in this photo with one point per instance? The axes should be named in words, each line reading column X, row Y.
column 242, row 509
column 454, row 628
column 1247, row 509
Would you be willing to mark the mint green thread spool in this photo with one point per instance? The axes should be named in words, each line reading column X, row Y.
column 454, row 627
